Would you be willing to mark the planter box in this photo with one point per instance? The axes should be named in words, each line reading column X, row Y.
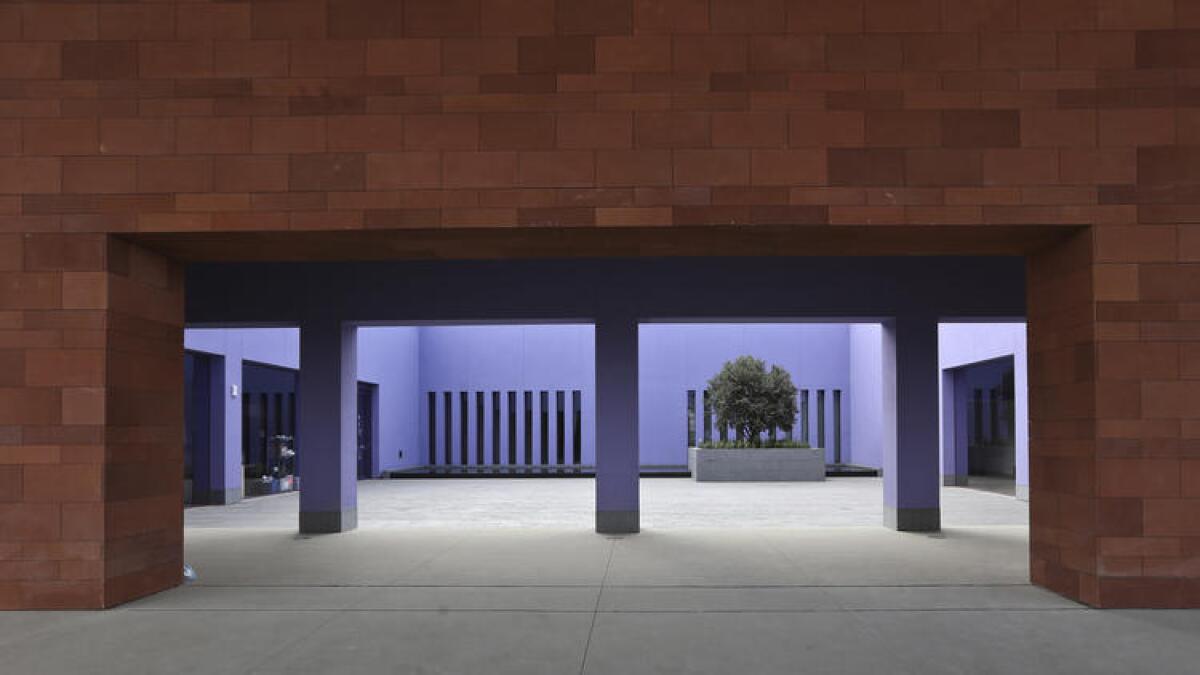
column 757, row 464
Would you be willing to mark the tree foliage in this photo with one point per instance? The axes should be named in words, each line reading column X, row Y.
column 753, row 400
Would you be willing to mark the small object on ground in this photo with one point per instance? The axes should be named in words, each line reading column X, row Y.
column 189, row 574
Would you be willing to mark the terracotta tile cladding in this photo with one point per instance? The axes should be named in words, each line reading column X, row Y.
column 983, row 115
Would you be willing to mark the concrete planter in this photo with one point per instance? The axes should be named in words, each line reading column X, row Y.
column 757, row 464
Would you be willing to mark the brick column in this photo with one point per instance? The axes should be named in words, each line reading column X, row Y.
column 617, row 504
column 327, row 444
column 91, row 422
column 143, row 486
column 1146, row 461
column 1114, row 479
column 1065, row 515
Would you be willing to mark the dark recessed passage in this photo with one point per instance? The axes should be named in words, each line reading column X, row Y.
column 464, row 439
column 560, row 422
column 496, row 427
column 432, row 427
column 528, row 428
column 512, row 427
column 264, row 424
column 722, row 431
column 691, row 418
column 448, row 426
column 544, row 437
column 479, row 436
column 577, row 427
column 279, row 415
column 837, row 426
column 994, row 414
column 804, row 437
column 978, row 416
column 787, row 433
column 820, row 418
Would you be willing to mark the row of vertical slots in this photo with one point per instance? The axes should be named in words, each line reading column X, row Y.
column 506, row 419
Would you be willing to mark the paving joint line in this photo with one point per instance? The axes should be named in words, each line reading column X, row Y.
column 587, row 645
column 618, row 586
column 594, row 613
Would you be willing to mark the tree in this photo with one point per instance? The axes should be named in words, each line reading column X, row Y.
column 753, row 400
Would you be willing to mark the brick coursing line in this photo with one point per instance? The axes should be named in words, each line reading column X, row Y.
column 355, row 114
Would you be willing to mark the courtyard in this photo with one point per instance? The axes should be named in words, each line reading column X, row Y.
column 667, row 503
column 506, row 576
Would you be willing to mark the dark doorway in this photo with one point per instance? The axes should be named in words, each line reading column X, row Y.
column 987, row 398
column 366, row 430
column 269, row 443
column 991, row 420
column 197, row 445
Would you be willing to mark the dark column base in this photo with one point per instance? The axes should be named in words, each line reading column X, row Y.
column 912, row 520
column 954, row 480
column 226, row 496
column 618, row 522
column 328, row 522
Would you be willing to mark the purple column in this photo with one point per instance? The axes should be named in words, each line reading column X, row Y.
column 910, row 458
column 225, row 431
column 1021, row 384
column 327, row 426
column 617, row 425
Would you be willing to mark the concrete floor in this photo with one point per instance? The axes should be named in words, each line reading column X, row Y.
column 563, row 600
column 570, row 503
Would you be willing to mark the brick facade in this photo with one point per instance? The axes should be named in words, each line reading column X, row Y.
column 319, row 115
column 91, row 420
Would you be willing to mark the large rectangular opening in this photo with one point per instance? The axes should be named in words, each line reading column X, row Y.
column 837, row 371
column 434, row 402
column 493, row 400
column 478, row 404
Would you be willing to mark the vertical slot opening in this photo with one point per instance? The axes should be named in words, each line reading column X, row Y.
column 691, row 418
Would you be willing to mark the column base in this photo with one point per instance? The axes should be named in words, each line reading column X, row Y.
column 954, row 480
column 912, row 520
column 328, row 522
column 618, row 522
column 223, row 497
column 1023, row 492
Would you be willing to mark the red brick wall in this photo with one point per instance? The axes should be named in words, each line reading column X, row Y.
column 53, row 298
column 143, row 516
column 349, row 114
column 91, row 421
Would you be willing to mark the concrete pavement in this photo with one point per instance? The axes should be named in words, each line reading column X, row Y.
column 437, row 595
column 671, row 503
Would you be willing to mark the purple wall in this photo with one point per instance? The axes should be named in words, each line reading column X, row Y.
column 503, row 358
column 386, row 357
column 273, row 346
column 408, row 362
column 866, row 394
column 674, row 358
column 389, row 357
column 962, row 344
